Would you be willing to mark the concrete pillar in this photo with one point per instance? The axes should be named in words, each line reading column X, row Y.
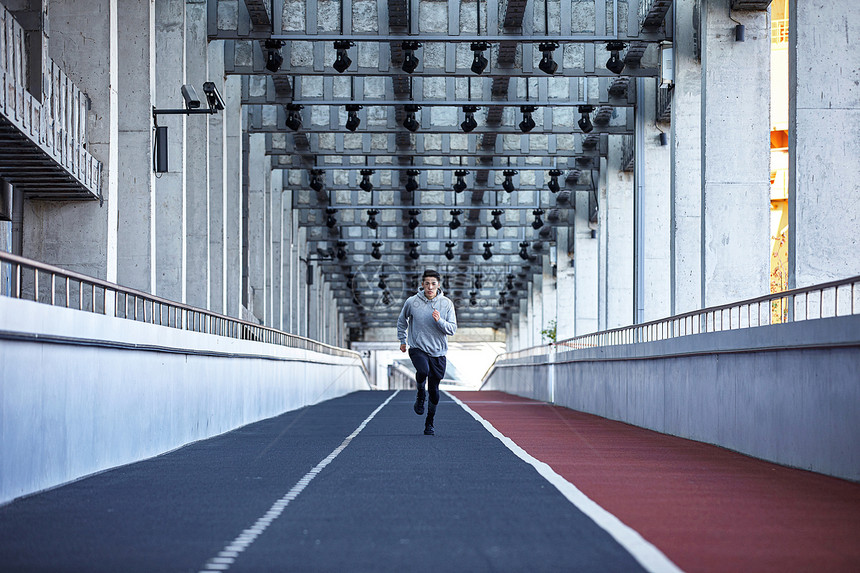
column 287, row 262
column 824, row 150
column 657, row 208
column 196, row 160
column 313, row 297
column 565, row 286
column 511, row 333
column 327, row 314
column 303, row 298
column 334, row 319
column 585, row 274
column 735, row 155
column 523, row 331
column 538, row 320
column 548, row 294
column 5, row 225
column 82, row 236
column 217, row 186
column 615, row 232
column 233, row 186
column 317, row 322
column 170, row 186
column 136, row 91
column 686, row 165
column 323, row 320
column 258, row 176
column 276, row 241
column 295, row 275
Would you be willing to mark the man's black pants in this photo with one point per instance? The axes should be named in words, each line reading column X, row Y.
column 428, row 368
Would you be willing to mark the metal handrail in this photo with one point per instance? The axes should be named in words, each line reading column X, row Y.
column 59, row 287
column 787, row 306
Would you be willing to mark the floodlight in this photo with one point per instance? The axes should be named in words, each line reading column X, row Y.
column 479, row 64
column 524, row 254
column 410, row 61
column 615, row 64
column 411, row 180
column 553, row 180
column 508, row 183
column 528, row 123
column 294, row 116
column 274, row 59
column 585, row 121
column 316, row 180
column 413, row 219
column 487, row 254
column 371, row 218
column 410, row 122
column 365, row 184
column 497, row 223
column 460, row 184
column 455, row 221
column 352, row 119
column 342, row 61
column 469, row 123
column 547, row 65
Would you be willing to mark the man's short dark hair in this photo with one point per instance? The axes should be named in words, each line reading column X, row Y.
column 431, row 273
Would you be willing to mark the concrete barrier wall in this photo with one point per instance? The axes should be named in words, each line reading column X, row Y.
column 80, row 392
column 785, row 393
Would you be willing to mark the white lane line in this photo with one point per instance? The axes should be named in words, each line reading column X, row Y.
column 231, row 551
column 651, row 558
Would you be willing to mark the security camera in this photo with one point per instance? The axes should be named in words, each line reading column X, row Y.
column 190, row 96
column 213, row 98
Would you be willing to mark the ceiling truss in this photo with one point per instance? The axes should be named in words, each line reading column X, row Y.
column 322, row 149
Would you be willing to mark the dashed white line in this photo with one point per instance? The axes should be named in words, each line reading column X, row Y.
column 651, row 558
column 231, row 551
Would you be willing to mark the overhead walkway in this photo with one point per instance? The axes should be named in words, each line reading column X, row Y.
column 352, row 484
column 140, row 434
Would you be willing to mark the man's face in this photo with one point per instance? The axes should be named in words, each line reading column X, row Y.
column 431, row 286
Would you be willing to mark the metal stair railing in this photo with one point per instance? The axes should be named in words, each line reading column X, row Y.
column 831, row 299
column 26, row 279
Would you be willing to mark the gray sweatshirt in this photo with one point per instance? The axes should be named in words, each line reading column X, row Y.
column 425, row 333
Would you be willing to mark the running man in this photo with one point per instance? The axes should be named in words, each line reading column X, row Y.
column 429, row 317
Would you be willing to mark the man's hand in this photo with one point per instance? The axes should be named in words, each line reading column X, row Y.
column 402, row 348
column 436, row 315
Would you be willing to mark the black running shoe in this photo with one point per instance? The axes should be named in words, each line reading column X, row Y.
column 419, row 405
column 429, row 431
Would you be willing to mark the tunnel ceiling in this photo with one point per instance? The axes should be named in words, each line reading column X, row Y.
column 296, row 88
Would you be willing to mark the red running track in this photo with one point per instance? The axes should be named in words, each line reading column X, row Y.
column 705, row 507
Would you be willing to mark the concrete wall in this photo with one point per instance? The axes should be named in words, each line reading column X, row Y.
column 72, row 408
column 786, row 393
